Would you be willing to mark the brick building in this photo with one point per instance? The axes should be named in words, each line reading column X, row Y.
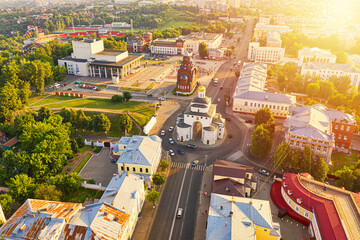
column 168, row 46
column 187, row 76
column 135, row 44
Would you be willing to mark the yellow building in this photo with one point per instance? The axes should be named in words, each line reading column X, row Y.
column 240, row 218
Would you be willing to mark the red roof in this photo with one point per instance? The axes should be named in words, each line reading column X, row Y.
column 11, row 142
column 327, row 217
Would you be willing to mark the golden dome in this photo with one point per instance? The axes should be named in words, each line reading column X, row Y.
column 201, row 89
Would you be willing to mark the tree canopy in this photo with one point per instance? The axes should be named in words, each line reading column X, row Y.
column 203, row 50
column 260, row 142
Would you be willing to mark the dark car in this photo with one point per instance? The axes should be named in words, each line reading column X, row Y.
column 150, row 95
column 181, row 152
column 249, row 121
column 191, row 146
column 69, row 89
column 113, row 160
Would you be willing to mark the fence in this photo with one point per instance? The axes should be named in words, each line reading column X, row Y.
column 96, row 143
column 93, row 186
column 149, row 125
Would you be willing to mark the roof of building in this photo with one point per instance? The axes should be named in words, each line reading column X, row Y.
column 227, row 186
column 140, row 150
column 233, row 217
column 201, row 88
column 311, row 52
column 331, row 66
column 110, row 52
column 231, row 169
column 334, row 208
column 205, row 100
column 252, row 78
column 354, row 59
column 11, row 142
column 274, row 37
column 182, row 124
column 215, row 50
column 209, row 113
column 210, row 128
column 2, row 134
column 266, row 96
column 123, row 192
column 74, row 59
column 120, row 63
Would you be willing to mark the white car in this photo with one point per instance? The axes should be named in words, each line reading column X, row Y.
column 161, row 99
column 218, row 99
column 163, row 133
column 171, row 129
column 171, row 152
column 264, row 172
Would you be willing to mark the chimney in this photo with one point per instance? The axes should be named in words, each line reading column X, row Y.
column 221, row 207
column 105, row 213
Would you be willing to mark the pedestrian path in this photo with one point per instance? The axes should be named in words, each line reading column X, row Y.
column 188, row 166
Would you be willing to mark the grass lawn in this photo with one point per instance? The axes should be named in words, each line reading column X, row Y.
column 85, row 148
column 114, row 130
column 35, row 97
column 152, row 85
column 83, row 162
column 80, row 195
column 53, row 99
column 175, row 24
column 340, row 159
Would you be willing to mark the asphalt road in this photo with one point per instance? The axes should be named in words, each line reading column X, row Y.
column 183, row 184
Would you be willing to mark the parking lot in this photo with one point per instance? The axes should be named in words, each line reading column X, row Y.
column 100, row 168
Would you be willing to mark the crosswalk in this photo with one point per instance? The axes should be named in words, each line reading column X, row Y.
column 187, row 165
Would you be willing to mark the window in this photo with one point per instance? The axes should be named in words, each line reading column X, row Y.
column 342, row 127
column 339, row 137
column 297, row 208
column 134, row 169
column 122, row 168
column 348, row 128
column 262, row 105
column 291, row 143
column 336, row 126
column 282, row 107
column 278, row 107
column 127, row 169
column 306, row 214
column 285, row 108
column 246, row 103
column 250, row 104
column 140, row 169
column 146, row 170
column 297, row 144
column 345, row 137
column 289, row 202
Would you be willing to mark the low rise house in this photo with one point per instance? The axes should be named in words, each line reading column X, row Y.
column 11, row 143
column 216, row 54
column 138, row 154
column 168, row 46
column 241, row 219
column 330, row 212
column 326, row 70
column 233, row 179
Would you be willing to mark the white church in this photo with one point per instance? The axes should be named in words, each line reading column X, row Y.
column 200, row 121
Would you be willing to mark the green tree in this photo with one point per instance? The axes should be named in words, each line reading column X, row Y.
column 117, row 99
column 203, row 50
column 80, row 141
column 153, row 196
column 22, row 120
column 44, row 113
column 47, row 192
column 264, row 116
column 68, row 115
column 282, row 156
column 74, row 146
column 6, row 202
column 101, row 123
column 10, row 102
column 127, row 96
column 270, row 73
column 21, row 187
column 82, row 121
column 25, row 93
column 341, row 84
column 312, row 90
column 341, row 57
column 319, row 170
column 164, row 165
column 307, row 158
column 260, row 142
column 125, row 123
column 347, row 179
column 281, row 81
column 327, row 89
column 158, row 179
column 66, row 182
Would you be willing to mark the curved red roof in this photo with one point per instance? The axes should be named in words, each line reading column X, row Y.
column 327, row 217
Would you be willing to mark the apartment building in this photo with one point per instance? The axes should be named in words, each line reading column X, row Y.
column 169, row 46
column 306, row 55
column 271, row 55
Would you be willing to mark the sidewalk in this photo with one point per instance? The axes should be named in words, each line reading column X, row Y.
column 143, row 225
column 204, row 204
column 167, row 109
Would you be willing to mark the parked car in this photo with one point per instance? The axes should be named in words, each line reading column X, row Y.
column 69, row 89
column 218, row 99
column 179, row 213
column 249, row 121
column 171, row 152
column 194, row 163
column 171, row 141
column 191, row 146
column 113, row 160
column 171, row 129
column 228, row 118
column 150, row 95
column 181, row 152
column 163, row 133
column 98, row 89
column 230, row 135
column 264, row 172
column 161, row 99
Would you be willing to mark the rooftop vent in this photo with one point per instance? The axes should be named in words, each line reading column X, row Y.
column 290, row 192
column 299, row 200
column 266, row 97
column 116, row 218
column 221, row 207
column 105, row 213
column 23, row 228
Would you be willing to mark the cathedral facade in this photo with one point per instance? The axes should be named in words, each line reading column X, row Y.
column 186, row 76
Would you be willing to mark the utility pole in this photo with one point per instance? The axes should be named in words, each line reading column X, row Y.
column 132, row 30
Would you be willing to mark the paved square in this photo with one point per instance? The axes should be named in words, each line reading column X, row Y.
column 100, row 168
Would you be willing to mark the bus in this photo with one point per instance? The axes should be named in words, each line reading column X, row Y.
column 216, row 81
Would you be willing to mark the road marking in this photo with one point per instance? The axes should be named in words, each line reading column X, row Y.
column 187, row 166
column 177, row 205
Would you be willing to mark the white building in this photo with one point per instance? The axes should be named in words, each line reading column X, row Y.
column 145, row 3
column 264, row 20
column 138, row 154
column 252, row 78
column 126, row 192
column 241, row 219
column 89, row 58
column 192, row 41
column 168, row 46
column 265, row 54
column 274, row 40
column 326, row 70
column 200, row 119
column 261, row 30
column 316, row 55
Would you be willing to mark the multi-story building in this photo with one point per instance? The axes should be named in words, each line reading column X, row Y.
column 354, row 60
column 192, row 41
column 270, row 55
column 148, row 37
column 200, row 120
column 261, row 30
column 233, row 179
column 249, row 95
column 330, row 212
column 207, row 5
column 316, row 55
column 187, row 76
column 216, row 54
column 264, row 21
column 89, row 58
column 274, row 40
column 326, row 70
column 135, row 44
column 169, row 46
column 138, row 154
column 239, row 218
